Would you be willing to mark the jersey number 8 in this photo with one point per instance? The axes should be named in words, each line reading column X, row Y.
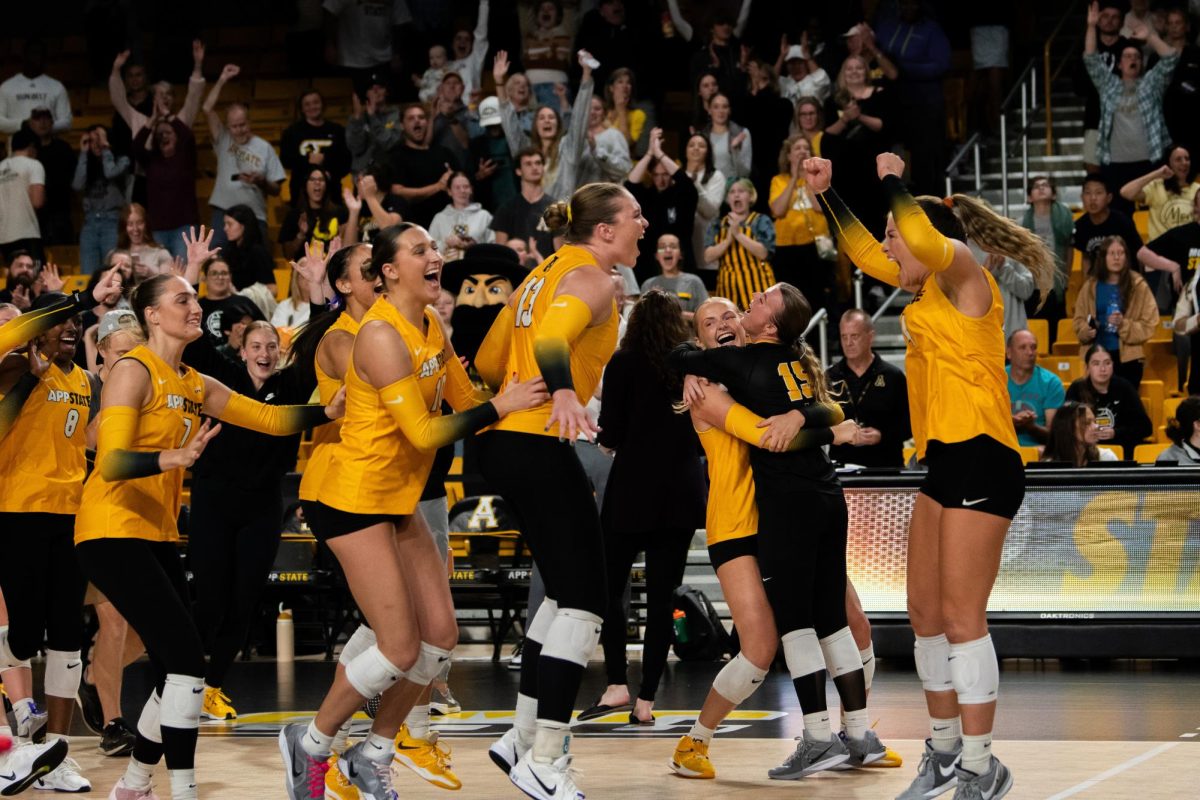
column 72, row 423
column 796, row 381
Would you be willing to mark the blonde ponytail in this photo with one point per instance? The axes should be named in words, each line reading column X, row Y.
column 1003, row 237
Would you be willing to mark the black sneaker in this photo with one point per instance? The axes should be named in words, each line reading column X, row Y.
column 90, row 710
column 118, row 739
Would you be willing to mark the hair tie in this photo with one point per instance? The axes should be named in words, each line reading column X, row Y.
column 949, row 202
column 568, row 212
column 800, row 340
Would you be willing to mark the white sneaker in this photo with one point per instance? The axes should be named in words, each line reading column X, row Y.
column 65, row 778
column 542, row 781
column 123, row 792
column 506, row 751
column 24, row 764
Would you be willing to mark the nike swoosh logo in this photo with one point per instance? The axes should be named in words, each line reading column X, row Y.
column 395, row 402
column 198, row 691
column 969, row 503
column 946, row 772
column 760, row 680
column 560, row 304
column 443, row 658
column 936, row 729
column 162, row 380
column 766, row 579
column 12, row 776
column 76, row 665
column 550, row 790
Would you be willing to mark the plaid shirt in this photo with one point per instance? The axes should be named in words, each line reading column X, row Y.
column 1149, row 89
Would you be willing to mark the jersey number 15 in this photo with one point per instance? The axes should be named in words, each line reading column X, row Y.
column 796, row 381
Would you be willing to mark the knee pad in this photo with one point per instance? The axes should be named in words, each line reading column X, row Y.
column 868, row 662
column 371, row 673
column 539, row 628
column 148, row 725
column 738, row 679
column 362, row 638
column 840, row 653
column 975, row 671
column 802, row 653
column 182, row 697
column 573, row 636
column 429, row 663
column 932, row 654
column 63, row 673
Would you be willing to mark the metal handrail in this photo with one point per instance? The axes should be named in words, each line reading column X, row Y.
column 858, row 296
column 1048, row 74
column 820, row 320
column 891, row 298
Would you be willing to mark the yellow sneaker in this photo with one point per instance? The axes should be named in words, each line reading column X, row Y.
column 337, row 785
column 691, row 759
column 429, row 758
column 890, row 759
column 216, row 705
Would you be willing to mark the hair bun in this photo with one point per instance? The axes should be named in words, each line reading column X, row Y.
column 557, row 215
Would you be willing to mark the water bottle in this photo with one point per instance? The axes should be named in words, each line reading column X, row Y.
column 285, row 636
column 681, row 628
column 1113, row 308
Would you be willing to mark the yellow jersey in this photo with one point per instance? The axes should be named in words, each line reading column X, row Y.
column 589, row 353
column 957, row 386
column 325, row 435
column 147, row 508
column 731, row 511
column 42, row 460
column 374, row 469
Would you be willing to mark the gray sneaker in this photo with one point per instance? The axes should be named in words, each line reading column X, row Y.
column 863, row 751
column 372, row 778
column 304, row 776
column 935, row 774
column 991, row 785
column 811, row 755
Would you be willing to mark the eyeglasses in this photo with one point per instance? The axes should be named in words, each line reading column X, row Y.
column 218, row 274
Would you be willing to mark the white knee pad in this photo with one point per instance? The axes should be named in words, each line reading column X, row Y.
column 148, row 723
column 975, row 671
column 932, row 654
column 868, row 662
column 738, row 679
column 802, row 652
column 371, row 673
column 63, row 672
column 7, row 659
column 539, row 628
column 362, row 638
column 429, row 663
column 840, row 653
column 572, row 636
column 182, row 697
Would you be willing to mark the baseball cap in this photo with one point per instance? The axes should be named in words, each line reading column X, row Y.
column 854, row 30
column 121, row 319
column 489, row 112
column 794, row 52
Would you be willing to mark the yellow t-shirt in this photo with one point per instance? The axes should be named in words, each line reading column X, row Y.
column 803, row 222
column 325, row 435
column 731, row 511
column 1167, row 209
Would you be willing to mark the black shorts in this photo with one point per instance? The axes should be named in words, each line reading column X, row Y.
column 723, row 552
column 327, row 522
column 979, row 474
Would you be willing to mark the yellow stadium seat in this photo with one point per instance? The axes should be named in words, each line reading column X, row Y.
column 1067, row 368
column 1065, row 341
column 1164, row 332
column 1141, row 221
column 283, row 284
column 75, row 283
column 1147, row 453
column 1152, row 394
column 1041, row 329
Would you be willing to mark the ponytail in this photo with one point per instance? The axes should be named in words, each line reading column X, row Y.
column 790, row 326
column 1003, row 237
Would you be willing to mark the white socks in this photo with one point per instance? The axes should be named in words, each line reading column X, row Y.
column 379, row 748
column 945, row 733
column 701, row 733
column 553, row 741
column 816, row 725
column 137, row 775
column 418, row 721
column 315, row 743
column 341, row 737
column 525, row 721
column 183, row 784
column 856, row 723
column 977, row 753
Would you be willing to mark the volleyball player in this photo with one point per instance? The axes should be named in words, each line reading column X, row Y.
column 962, row 426
column 561, row 324
column 401, row 366
column 125, row 532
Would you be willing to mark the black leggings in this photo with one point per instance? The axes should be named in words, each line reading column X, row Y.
column 41, row 582
column 666, row 556
column 232, row 541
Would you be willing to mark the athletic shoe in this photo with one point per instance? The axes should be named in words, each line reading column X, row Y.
column 34, row 728
column 866, row 750
column 442, row 703
column 337, row 786
column 90, row 710
column 691, row 759
column 890, row 759
column 991, row 785
column 429, row 758
column 304, row 776
column 811, row 755
column 373, row 779
column 506, row 751
column 935, row 774
column 514, row 662
column 118, row 739
column 546, row 781
column 24, row 764
column 64, row 778
column 217, row 705
column 123, row 792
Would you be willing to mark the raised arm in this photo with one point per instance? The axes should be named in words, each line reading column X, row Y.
column 743, row 17
column 682, row 25
column 20, row 330
column 937, row 252
column 117, row 94
column 1133, row 190
column 719, row 410
column 853, row 237
column 215, row 126
column 191, row 103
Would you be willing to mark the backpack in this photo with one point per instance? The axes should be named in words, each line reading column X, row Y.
column 706, row 639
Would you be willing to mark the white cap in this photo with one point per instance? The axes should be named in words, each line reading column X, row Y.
column 854, row 30
column 794, row 52
column 489, row 112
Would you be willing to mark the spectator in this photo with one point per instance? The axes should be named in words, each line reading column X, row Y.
column 1035, row 392
column 100, row 177
column 529, row 258
column 315, row 217
column 804, row 76
column 470, row 49
column 240, row 315
column 687, row 289
column 247, row 256
column 1100, row 221
column 1176, row 251
column 1116, row 310
column 707, row 88
column 379, row 209
column 1052, row 221
column 1187, row 326
column 135, row 88
column 810, row 121
column 247, row 167
column 856, row 137
column 114, row 259
column 873, row 393
column 805, row 253
column 547, row 51
column 860, row 41
column 166, row 149
column 1184, row 92
column 450, row 120
column 732, row 148
column 133, row 117
column 495, row 177
column 420, row 172
column 722, row 52
column 22, row 193
column 624, row 113
column 1184, row 432
column 763, row 111
column 133, row 237
column 989, row 24
column 516, row 90
column 1073, row 437
column 1016, row 284
column 668, row 204
column 1119, row 412
column 1109, row 45
column 294, row 311
column 862, row 103
column 219, row 296
column 461, row 224
column 31, row 89
column 919, row 47
column 1132, row 129
column 58, row 159
column 374, row 127
column 520, row 217
column 1169, row 191
column 428, row 83
column 603, row 32
column 607, row 155
column 1138, row 14
column 313, row 140
column 24, row 281
column 361, row 35
column 710, row 193
column 743, row 242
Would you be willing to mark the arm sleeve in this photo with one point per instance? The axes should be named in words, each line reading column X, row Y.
column 742, row 423
column 20, row 330
column 14, row 401
column 823, row 415
column 114, row 458
column 1160, row 74
column 564, row 321
column 857, row 242
column 932, row 248
column 719, row 364
column 403, row 399
column 492, row 357
column 271, row 420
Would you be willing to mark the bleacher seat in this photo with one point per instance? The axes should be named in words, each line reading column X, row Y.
column 1041, row 329
column 1147, row 453
column 75, row 283
column 1152, row 395
column 1065, row 341
column 1067, row 368
column 1141, row 221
